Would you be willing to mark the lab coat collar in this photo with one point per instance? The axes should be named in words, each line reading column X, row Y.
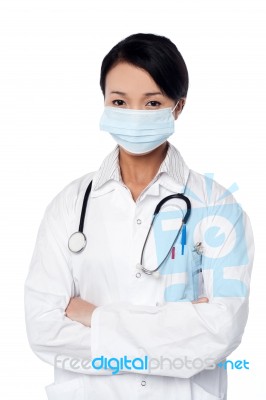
column 172, row 184
column 172, row 174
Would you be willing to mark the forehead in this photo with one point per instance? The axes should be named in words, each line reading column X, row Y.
column 128, row 78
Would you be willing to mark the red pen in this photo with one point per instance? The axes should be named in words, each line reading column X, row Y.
column 173, row 253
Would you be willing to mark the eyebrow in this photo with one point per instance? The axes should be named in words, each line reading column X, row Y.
column 151, row 93
column 117, row 92
column 145, row 94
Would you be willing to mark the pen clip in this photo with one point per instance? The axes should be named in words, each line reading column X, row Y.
column 198, row 248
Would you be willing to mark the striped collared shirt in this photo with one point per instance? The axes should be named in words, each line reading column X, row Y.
column 173, row 165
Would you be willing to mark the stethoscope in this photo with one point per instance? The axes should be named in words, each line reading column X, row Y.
column 77, row 241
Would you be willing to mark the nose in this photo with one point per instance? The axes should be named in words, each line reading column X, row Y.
column 136, row 106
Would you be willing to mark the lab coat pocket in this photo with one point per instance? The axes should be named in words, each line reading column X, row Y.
column 183, row 271
column 73, row 389
column 198, row 393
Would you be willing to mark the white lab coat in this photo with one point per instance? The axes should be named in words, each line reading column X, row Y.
column 139, row 315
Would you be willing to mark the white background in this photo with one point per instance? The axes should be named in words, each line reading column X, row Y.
column 50, row 105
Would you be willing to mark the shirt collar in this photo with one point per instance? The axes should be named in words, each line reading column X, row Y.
column 109, row 169
column 173, row 171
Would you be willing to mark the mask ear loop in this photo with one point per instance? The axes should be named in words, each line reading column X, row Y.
column 175, row 106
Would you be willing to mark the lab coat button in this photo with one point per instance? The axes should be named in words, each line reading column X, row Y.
column 138, row 221
column 138, row 275
column 143, row 383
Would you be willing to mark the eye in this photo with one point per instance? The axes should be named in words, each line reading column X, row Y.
column 118, row 102
column 153, row 103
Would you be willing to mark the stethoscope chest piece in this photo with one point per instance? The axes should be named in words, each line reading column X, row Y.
column 77, row 242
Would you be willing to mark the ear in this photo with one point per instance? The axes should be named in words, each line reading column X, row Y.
column 179, row 107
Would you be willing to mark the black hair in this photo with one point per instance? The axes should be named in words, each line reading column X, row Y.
column 155, row 54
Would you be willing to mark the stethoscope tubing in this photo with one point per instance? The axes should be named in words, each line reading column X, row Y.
column 84, row 207
column 81, row 236
column 156, row 212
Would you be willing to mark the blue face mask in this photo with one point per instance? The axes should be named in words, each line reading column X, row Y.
column 138, row 131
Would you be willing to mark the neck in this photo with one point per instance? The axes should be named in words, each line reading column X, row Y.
column 141, row 169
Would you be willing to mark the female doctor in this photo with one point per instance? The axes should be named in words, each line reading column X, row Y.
column 142, row 297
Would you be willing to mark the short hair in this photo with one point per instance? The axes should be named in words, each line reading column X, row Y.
column 155, row 54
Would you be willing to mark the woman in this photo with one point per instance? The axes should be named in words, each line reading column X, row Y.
column 140, row 307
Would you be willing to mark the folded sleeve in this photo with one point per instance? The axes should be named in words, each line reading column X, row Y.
column 196, row 335
column 48, row 289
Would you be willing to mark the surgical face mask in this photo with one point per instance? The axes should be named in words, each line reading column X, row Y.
column 138, row 131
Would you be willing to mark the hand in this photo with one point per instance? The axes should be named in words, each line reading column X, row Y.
column 201, row 300
column 80, row 310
